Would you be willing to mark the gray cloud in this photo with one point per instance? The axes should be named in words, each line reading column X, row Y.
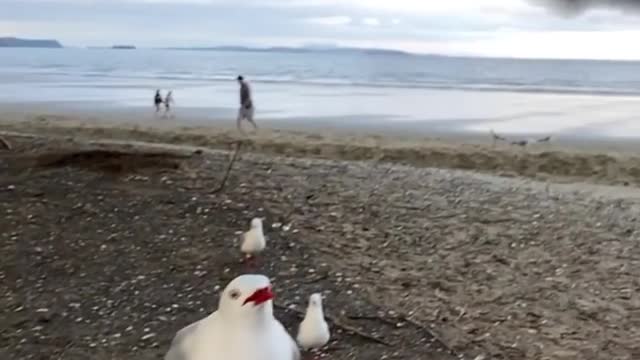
column 576, row 7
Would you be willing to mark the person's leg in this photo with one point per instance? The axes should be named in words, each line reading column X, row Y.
column 239, row 119
column 250, row 113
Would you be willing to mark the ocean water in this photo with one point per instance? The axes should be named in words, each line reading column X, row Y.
column 462, row 94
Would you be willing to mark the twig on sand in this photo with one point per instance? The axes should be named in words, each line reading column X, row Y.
column 374, row 318
column 409, row 320
column 341, row 325
column 228, row 172
column 317, row 278
column 65, row 349
column 494, row 221
column 4, row 144
column 403, row 318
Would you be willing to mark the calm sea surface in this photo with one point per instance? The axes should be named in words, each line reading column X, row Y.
column 471, row 94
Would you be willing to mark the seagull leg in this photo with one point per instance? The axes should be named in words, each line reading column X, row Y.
column 249, row 262
column 311, row 355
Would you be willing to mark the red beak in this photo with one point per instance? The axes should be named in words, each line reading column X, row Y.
column 260, row 296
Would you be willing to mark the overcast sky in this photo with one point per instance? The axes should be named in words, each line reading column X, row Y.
column 606, row 29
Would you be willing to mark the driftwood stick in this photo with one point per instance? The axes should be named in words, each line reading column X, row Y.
column 399, row 317
column 4, row 144
column 374, row 318
column 228, row 172
column 494, row 221
column 338, row 323
column 317, row 278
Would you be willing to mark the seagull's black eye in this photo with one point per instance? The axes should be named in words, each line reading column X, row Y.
column 234, row 294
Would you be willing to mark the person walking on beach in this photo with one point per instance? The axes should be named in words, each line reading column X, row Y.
column 246, row 110
column 157, row 100
column 168, row 100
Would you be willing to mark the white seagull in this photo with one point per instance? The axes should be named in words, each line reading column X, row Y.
column 243, row 327
column 313, row 332
column 253, row 241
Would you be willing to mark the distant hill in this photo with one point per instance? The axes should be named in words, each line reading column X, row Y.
column 29, row 43
column 123, row 47
column 296, row 49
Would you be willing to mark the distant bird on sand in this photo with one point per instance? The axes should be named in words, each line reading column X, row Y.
column 243, row 327
column 496, row 137
column 529, row 142
column 253, row 241
column 521, row 143
column 544, row 139
column 313, row 332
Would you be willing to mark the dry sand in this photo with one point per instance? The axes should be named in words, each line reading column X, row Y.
column 505, row 268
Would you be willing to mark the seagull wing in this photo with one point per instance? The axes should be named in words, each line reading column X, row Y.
column 183, row 341
column 295, row 351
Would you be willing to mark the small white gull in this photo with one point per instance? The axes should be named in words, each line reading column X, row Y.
column 253, row 241
column 313, row 332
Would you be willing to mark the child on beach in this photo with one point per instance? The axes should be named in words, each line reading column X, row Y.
column 157, row 100
column 168, row 100
column 246, row 110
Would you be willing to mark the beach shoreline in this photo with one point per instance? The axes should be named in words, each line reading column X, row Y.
column 389, row 94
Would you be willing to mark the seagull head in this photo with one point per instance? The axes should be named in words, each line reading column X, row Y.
column 315, row 301
column 256, row 223
column 247, row 296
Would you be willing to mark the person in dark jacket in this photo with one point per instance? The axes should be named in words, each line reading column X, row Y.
column 157, row 100
column 246, row 110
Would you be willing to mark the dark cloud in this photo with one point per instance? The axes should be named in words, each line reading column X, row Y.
column 576, row 7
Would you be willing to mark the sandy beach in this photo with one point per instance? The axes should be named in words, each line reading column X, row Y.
column 115, row 236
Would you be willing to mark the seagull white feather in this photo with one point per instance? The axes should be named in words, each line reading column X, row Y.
column 253, row 241
column 313, row 332
column 243, row 327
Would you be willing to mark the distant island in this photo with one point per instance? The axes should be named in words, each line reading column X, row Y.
column 114, row 47
column 306, row 49
column 29, row 43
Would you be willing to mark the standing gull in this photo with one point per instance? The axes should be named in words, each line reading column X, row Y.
column 253, row 241
column 243, row 327
column 313, row 332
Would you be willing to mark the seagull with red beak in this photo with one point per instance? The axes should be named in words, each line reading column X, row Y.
column 243, row 327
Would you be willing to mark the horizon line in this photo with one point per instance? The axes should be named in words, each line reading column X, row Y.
column 318, row 48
